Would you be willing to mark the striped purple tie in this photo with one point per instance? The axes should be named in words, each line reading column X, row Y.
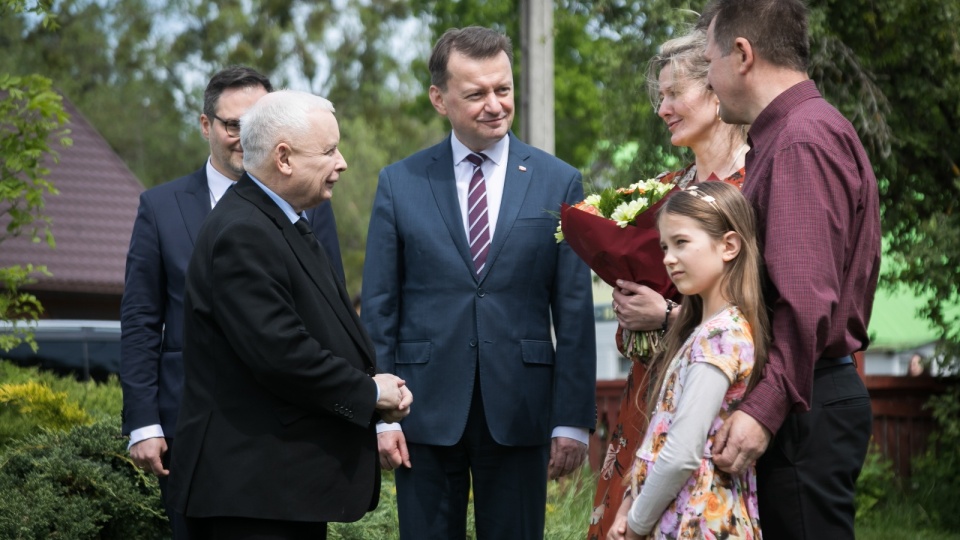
column 477, row 212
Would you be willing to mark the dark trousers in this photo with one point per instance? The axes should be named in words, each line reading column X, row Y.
column 177, row 525
column 806, row 478
column 238, row 528
column 509, row 487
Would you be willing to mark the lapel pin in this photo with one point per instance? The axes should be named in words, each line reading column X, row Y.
column 522, row 168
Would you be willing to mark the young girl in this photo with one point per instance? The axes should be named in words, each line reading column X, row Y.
column 713, row 354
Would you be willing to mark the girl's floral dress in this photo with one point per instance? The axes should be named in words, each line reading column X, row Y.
column 628, row 431
column 712, row 504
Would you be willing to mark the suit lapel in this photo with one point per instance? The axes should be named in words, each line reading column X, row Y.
column 321, row 272
column 515, row 186
column 443, row 183
column 194, row 203
column 316, row 264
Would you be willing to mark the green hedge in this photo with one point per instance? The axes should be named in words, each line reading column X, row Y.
column 79, row 484
column 65, row 473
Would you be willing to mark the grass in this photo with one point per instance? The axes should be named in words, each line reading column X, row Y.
column 568, row 505
column 568, row 508
column 900, row 519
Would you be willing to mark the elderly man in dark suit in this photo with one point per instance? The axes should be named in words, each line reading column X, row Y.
column 276, row 431
column 167, row 223
column 464, row 289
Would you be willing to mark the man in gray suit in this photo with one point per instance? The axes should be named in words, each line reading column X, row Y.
column 464, row 286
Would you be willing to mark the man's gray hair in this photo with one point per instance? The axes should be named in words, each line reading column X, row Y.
column 277, row 117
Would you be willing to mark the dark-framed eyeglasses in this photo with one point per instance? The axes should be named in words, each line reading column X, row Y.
column 232, row 126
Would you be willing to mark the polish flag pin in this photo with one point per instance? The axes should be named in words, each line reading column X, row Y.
column 523, row 169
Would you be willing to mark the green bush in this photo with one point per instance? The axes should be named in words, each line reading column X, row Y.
column 77, row 485
column 877, row 483
column 31, row 407
column 935, row 481
column 100, row 400
column 32, row 400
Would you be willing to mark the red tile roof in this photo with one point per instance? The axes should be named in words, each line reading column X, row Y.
column 92, row 217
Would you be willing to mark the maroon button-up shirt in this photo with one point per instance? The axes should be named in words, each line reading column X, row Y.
column 818, row 219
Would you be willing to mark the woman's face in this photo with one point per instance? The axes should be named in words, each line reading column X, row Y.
column 688, row 109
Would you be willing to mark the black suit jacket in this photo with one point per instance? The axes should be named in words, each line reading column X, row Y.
column 151, row 312
column 277, row 419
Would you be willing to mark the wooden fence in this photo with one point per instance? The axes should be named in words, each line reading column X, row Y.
column 901, row 426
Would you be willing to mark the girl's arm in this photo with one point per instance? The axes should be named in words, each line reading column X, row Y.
column 703, row 391
column 619, row 529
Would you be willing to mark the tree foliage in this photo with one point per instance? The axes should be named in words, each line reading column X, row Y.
column 897, row 76
column 136, row 69
column 31, row 116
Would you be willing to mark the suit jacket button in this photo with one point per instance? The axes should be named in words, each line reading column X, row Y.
column 473, row 343
column 481, row 293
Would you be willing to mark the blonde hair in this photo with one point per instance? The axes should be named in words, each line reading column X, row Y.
column 685, row 56
column 718, row 208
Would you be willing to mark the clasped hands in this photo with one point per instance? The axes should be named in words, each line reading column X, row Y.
column 395, row 397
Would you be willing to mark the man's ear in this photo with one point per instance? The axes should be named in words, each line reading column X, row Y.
column 205, row 126
column 744, row 51
column 282, row 154
column 730, row 246
column 436, row 98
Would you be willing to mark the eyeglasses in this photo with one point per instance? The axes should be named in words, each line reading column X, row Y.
column 232, row 126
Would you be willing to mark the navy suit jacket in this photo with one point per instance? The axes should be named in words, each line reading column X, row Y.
column 151, row 311
column 436, row 324
column 277, row 420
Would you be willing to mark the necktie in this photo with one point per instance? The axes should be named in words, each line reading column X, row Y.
column 479, row 226
column 304, row 228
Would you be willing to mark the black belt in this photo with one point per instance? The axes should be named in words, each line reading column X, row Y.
column 833, row 362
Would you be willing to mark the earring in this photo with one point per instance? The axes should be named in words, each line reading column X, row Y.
column 718, row 113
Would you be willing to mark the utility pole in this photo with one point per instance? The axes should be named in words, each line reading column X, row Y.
column 536, row 44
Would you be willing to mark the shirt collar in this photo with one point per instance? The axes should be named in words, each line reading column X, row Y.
column 288, row 210
column 497, row 152
column 217, row 183
column 770, row 117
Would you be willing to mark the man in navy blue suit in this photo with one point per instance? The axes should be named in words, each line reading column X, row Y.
column 168, row 219
column 464, row 289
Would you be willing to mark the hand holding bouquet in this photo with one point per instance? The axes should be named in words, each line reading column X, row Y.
column 615, row 233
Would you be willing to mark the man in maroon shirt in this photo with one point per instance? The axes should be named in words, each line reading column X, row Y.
column 817, row 206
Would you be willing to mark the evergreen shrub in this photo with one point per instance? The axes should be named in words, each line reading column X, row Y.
column 935, row 479
column 78, row 485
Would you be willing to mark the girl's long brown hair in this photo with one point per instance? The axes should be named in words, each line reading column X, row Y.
column 741, row 281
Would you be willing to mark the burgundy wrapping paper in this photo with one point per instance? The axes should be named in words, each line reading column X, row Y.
column 632, row 253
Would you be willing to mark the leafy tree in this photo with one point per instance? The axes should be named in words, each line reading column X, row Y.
column 137, row 68
column 605, row 124
column 31, row 114
column 892, row 68
column 106, row 58
column 897, row 76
